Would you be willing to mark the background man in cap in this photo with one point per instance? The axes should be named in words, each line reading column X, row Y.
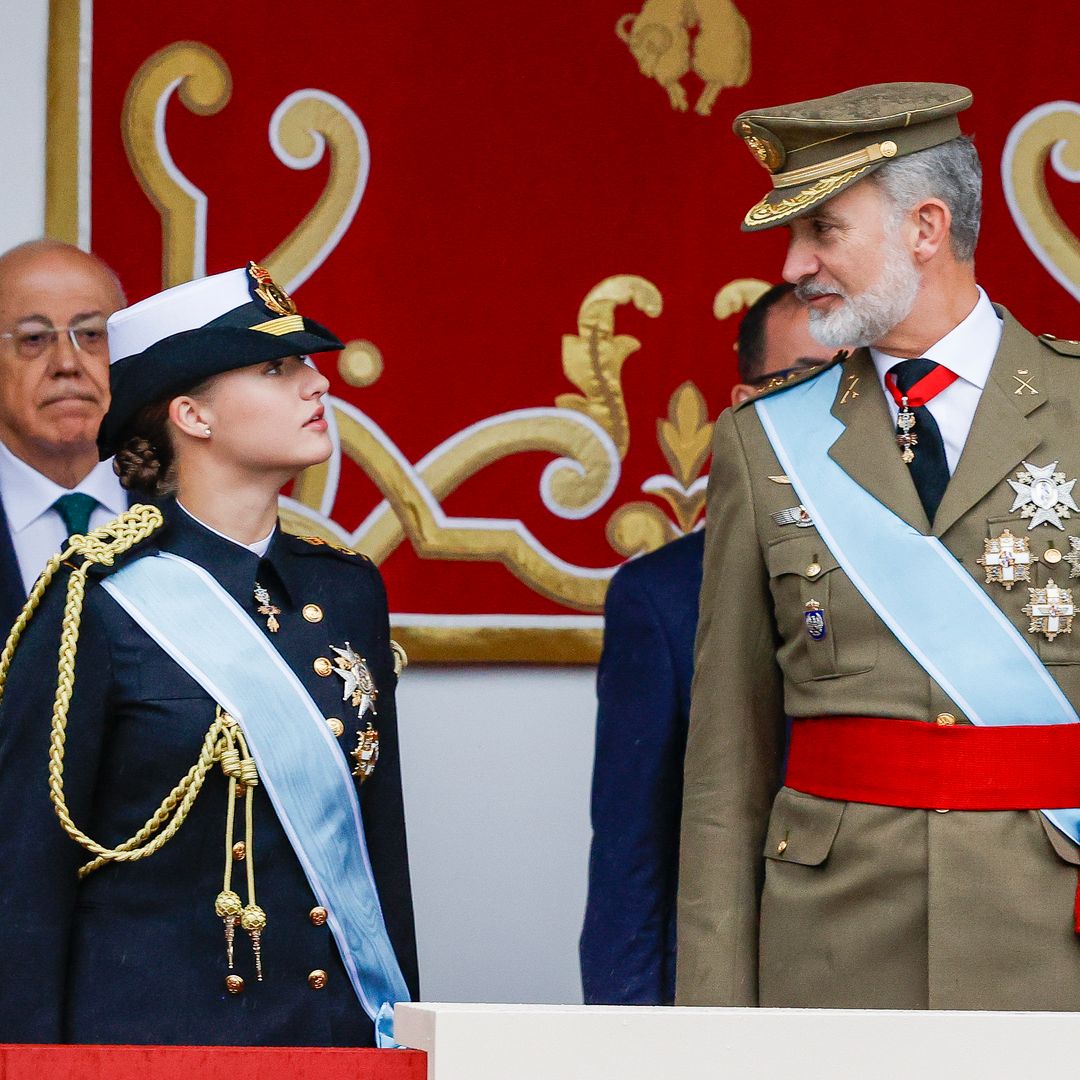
column 906, row 864
column 643, row 687
column 54, row 389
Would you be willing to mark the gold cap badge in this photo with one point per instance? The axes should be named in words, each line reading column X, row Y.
column 270, row 292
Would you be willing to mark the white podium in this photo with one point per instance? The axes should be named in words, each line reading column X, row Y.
column 577, row 1042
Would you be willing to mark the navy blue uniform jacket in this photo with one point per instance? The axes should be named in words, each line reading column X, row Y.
column 643, row 686
column 134, row 953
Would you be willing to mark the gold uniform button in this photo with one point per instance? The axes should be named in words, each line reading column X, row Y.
column 317, row 915
column 312, row 612
column 781, row 847
column 337, row 728
column 813, row 570
column 239, row 851
column 317, row 979
column 234, row 984
column 944, row 719
column 322, row 666
column 1052, row 555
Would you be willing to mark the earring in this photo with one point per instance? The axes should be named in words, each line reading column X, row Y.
column 206, row 428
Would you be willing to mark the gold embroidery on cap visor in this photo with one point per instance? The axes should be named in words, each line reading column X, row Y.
column 287, row 324
column 766, row 213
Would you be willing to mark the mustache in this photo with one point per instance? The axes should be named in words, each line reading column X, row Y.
column 809, row 288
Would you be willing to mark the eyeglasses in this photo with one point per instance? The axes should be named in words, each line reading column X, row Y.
column 33, row 341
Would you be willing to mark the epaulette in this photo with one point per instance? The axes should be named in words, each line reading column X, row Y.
column 1061, row 345
column 318, row 541
column 793, row 378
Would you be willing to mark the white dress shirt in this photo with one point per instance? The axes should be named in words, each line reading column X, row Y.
column 37, row 530
column 967, row 349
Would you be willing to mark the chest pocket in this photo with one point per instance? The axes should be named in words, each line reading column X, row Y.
column 841, row 635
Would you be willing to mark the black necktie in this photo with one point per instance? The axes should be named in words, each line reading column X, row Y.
column 75, row 510
column 929, row 469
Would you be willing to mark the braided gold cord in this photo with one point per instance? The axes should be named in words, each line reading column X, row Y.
column 172, row 807
column 101, row 547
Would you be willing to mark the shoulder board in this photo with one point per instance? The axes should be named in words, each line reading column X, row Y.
column 1061, row 345
column 328, row 546
column 793, row 379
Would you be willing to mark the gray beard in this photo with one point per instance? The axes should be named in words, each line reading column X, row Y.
column 866, row 318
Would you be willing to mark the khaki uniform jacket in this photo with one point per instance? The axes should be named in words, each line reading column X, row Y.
column 867, row 906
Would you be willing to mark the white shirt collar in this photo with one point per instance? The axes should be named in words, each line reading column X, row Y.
column 259, row 547
column 968, row 348
column 27, row 494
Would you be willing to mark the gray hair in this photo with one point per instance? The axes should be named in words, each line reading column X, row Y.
column 950, row 172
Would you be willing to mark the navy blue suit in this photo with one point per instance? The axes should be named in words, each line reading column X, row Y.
column 643, row 686
column 134, row 952
column 12, row 593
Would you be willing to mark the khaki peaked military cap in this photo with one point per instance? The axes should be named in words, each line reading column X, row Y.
column 815, row 149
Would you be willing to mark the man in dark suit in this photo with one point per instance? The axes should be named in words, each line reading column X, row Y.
column 643, row 686
column 54, row 389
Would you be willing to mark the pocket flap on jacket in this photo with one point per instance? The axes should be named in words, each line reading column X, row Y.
column 802, row 828
column 1060, row 842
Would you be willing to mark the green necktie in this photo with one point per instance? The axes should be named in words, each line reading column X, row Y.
column 75, row 510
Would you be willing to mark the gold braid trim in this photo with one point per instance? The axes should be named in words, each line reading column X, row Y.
column 766, row 213
column 102, row 547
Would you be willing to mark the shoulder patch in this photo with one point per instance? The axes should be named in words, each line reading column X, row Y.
column 318, row 541
column 793, row 379
column 1063, row 346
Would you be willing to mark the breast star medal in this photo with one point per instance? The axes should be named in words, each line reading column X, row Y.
column 1050, row 610
column 1007, row 560
column 360, row 691
column 814, row 617
column 1042, row 495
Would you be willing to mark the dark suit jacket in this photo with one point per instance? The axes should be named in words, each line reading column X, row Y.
column 643, row 686
column 134, row 953
column 12, row 593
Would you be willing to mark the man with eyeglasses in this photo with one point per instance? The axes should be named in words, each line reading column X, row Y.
column 54, row 389
column 643, row 689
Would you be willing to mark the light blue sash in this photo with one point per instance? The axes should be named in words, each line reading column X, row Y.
column 299, row 762
column 912, row 581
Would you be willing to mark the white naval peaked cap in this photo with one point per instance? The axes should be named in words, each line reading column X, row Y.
column 183, row 307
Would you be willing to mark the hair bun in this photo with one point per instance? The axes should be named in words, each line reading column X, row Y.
column 138, row 464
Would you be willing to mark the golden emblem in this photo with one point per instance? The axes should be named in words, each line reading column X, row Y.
column 270, row 292
column 1050, row 610
column 1007, row 560
column 366, row 753
column 659, row 40
column 768, row 156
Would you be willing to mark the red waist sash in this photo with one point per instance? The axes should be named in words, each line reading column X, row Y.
column 908, row 763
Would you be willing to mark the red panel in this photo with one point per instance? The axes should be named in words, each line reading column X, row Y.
column 208, row 1063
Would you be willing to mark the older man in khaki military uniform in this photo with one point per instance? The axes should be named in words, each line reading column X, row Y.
column 888, row 559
